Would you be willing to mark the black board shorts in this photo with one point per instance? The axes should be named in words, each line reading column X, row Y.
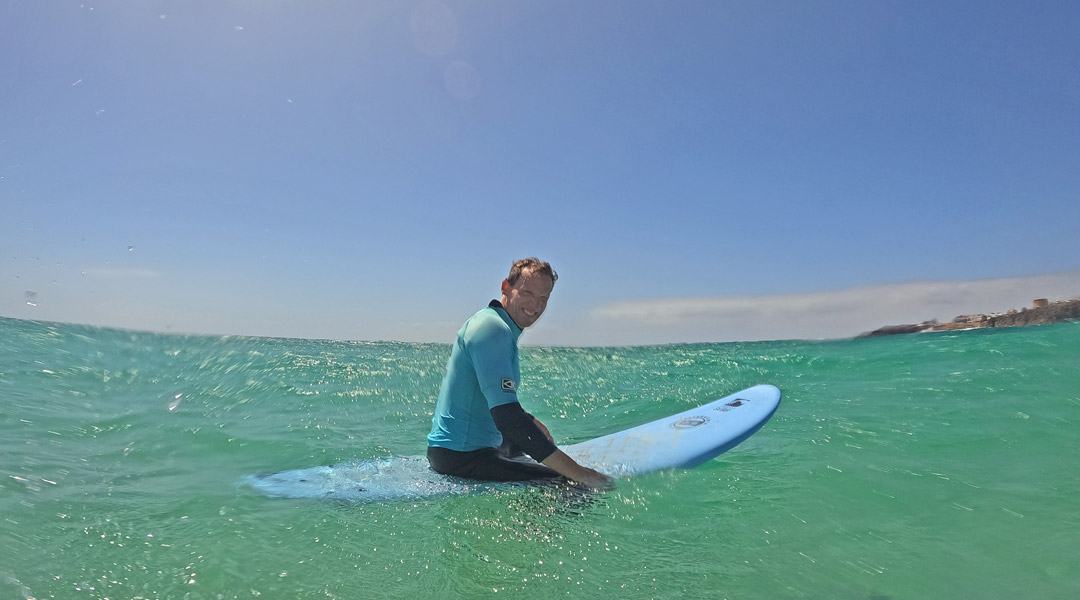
column 504, row 463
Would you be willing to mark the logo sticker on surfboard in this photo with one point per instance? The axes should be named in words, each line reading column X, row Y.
column 730, row 405
column 690, row 422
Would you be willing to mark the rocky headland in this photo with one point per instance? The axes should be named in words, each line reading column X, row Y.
column 1042, row 312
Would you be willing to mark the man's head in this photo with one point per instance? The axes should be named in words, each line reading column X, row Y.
column 526, row 290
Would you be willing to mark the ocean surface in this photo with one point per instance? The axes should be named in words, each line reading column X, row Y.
column 943, row 465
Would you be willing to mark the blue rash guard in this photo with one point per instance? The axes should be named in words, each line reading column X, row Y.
column 479, row 393
column 482, row 373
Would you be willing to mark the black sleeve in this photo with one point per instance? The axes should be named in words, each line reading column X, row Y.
column 517, row 425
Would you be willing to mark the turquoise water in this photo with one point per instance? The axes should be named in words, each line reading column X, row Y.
column 927, row 466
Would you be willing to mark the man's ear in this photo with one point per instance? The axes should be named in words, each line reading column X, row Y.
column 506, row 287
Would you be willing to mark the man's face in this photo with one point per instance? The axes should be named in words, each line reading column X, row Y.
column 526, row 300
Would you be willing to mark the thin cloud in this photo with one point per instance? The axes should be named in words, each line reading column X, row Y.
column 816, row 315
column 122, row 273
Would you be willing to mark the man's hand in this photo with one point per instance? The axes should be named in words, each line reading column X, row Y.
column 569, row 468
column 595, row 480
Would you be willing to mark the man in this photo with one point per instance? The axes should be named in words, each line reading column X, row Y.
column 479, row 427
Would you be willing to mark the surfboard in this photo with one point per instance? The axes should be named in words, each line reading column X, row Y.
column 682, row 440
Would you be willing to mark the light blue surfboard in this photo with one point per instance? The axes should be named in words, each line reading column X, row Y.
column 683, row 440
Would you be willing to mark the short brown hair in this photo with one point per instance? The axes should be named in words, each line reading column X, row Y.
column 531, row 264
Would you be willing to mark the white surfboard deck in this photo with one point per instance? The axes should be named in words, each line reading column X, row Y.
column 684, row 440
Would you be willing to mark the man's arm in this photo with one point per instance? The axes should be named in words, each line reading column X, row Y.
column 543, row 428
column 522, row 429
column 570, row 469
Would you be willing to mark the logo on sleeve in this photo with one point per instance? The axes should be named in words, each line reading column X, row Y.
column 508, row 385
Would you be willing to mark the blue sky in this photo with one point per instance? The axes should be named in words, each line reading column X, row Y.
column 696, row 171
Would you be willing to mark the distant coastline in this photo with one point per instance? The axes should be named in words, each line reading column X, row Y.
column 1042, row 312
